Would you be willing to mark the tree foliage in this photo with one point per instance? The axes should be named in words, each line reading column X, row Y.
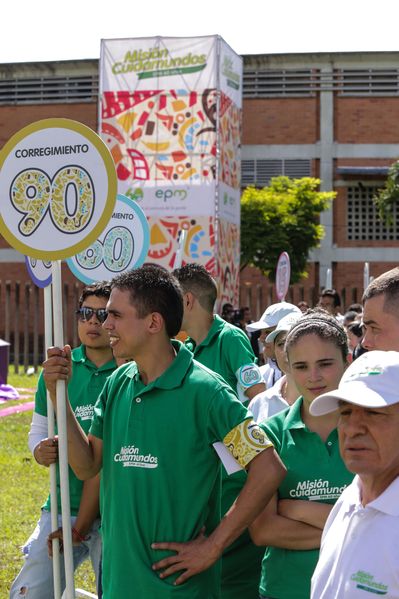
column 388, row 196
column 282, row 217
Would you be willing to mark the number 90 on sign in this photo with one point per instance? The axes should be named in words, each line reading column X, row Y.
column 69, row 198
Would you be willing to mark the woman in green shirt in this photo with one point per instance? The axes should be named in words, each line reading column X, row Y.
column 291, row 524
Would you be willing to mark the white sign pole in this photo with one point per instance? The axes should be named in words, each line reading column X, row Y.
column 48, row 341
column 180, row 249
column 62, row 437
column 366, row 275
column 329, row 278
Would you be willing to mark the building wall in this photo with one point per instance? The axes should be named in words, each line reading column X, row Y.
column 280, row 121
column 317, row 121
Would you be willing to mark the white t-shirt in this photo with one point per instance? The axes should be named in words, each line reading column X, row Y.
column 359, row 555
column 271, row 373
column 269, row 402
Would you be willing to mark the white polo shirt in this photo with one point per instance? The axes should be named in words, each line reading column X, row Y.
column 359, row 555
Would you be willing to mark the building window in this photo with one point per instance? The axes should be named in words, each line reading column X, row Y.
column 367, row 82
column 363, row 222
column 261, row 83
column 49, row 90
column 258, row 172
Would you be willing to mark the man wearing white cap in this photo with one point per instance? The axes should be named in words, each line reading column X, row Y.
column 360, row 543
column 266, row 324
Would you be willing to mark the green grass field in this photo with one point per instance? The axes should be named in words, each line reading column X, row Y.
column 23, row 489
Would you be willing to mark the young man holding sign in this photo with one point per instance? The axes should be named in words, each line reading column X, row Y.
column 152, row 434
column 92, row 363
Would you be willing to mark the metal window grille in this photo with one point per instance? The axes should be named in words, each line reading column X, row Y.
column 364, row 82
column 363, row 222
column 268, row 83
column 258, row 172
column 49, row 90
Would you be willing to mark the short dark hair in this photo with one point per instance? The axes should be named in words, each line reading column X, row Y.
column 356, row 307
column 387, row 285
column 332, row 293
column 356, row 328
column 100, row 289
column 153, row 289
column 197, row 280
column 320, row 323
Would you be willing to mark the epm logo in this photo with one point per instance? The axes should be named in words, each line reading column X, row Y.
column 167, row 194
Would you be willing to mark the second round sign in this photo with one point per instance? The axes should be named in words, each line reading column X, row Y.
column 122, row 245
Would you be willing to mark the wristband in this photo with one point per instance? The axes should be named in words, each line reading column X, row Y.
column 78, row 535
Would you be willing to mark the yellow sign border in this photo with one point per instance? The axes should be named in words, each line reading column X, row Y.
column 97, row 142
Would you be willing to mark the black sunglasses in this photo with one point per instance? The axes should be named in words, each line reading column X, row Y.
column 87, row 313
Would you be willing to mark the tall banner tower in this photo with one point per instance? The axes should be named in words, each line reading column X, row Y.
column 170, row 113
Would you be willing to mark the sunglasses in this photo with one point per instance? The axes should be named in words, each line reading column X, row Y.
column 87, row 313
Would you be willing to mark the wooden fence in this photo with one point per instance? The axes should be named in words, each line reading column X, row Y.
column 22, row 321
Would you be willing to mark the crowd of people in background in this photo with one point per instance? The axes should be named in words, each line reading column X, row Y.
column 329, row 300
column 301, row 407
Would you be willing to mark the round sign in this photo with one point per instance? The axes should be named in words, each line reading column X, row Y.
column 283, row 275
column 57, row 188
column 39, row 271
column 122, row 245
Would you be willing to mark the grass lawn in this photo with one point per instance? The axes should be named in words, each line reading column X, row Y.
column 23, row 489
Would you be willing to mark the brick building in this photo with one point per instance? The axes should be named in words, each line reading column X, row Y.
column 330, row 115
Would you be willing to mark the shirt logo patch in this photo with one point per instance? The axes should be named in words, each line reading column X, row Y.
column 365, row 582
column 129, row 455
column 249, row 375
column 317, row 490
column 84, row 412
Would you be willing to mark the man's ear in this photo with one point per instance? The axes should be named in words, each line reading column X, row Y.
column 188, row 300
column 156, row 322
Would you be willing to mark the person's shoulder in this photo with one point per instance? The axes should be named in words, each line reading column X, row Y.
column 121, row 373
column 276, row 423
column 206, row 376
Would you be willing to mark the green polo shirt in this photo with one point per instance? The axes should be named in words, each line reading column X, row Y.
column 84, row 388
column 315, row 472
column 227, row 351
column 161, row 475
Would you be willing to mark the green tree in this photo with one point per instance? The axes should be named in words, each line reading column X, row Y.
column 282, row 217
column 388, row 196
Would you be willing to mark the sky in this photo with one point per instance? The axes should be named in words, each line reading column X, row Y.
column 44, row 30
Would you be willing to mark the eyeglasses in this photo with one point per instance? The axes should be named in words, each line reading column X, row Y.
column 86, row 313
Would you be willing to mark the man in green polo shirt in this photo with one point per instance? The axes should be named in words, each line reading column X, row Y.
column 153, row 432
column 225, row 349
column 92, row 363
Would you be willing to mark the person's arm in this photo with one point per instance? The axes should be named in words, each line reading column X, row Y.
column 89, row 509
column 254, row 390
column 272, row 529
column 43, row 448
column 314, row 513
column 265, row 473
column 84, row 452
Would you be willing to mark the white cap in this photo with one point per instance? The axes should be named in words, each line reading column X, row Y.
column 284, row 325
column 272, row 315
column 371, row 381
